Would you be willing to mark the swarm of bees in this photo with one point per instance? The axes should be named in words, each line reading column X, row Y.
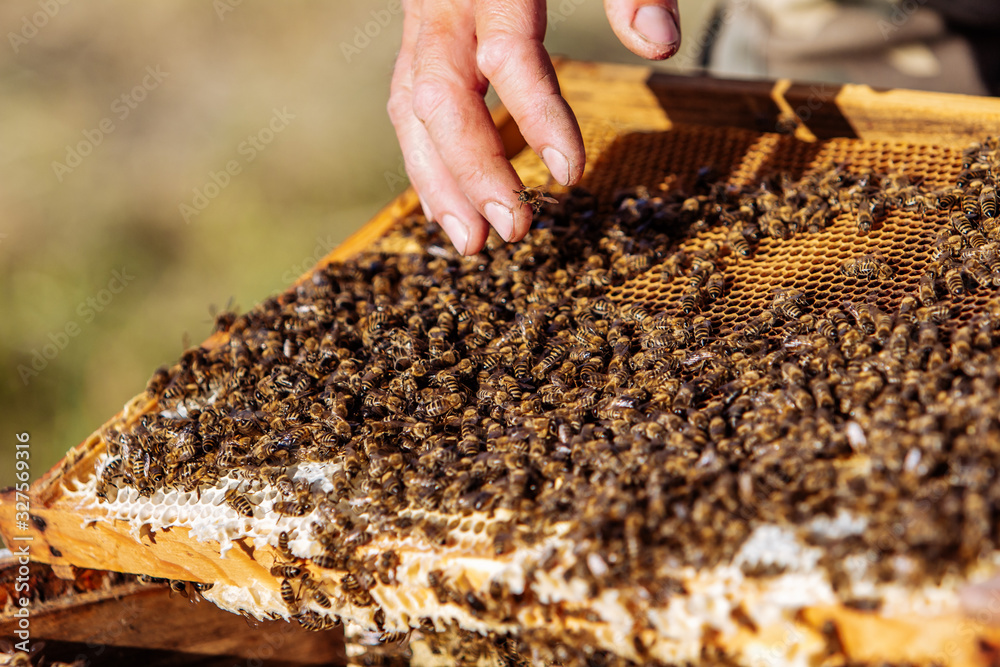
column 526, row 378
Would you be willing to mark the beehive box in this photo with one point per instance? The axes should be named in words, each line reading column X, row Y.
column 728, row 401
column 107, row 618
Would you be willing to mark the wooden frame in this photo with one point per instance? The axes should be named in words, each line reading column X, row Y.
column 637, row 99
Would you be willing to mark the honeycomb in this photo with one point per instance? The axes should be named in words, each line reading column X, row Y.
column 807, row 262
column 727, row 350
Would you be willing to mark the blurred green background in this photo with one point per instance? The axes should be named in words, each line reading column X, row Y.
column 115, row 114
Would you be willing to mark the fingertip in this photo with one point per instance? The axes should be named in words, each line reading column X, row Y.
column 426, row 209
column 522, row 222
column 648, row 29
column 501, row 218
column 657, row 25
column 457, row 231
column 478, row 233
column 565, row 170
column 557, row 163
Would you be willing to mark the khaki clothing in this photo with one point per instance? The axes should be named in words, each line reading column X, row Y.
column 905, row 44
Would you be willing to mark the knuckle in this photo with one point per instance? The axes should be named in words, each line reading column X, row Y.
column 492, row 55
column 398, row 108
column 429, row 95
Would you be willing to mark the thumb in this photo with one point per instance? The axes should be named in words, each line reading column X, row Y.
column 648, row 28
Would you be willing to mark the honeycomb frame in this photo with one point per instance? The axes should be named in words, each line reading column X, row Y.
column 663, row 132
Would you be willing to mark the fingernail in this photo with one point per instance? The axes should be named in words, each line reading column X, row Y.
column 656, row 25
column 501, row 218
column 456, row 231
column 557, row 163
column 426, row 209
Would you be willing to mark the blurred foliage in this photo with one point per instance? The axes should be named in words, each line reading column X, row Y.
column 221, row 70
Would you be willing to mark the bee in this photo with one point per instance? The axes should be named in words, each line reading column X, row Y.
column 976, row 239
column 399, row 637
column 988, row 201
column 899, row 339
column 907, row 308
column 826, row 328
column 283, row 544
column 714, row 286
column 979, row 273
column 863, row 215
column 949, row 198
column 439, row 405
column 883, row 324
column 970, row 199
column 970, row 174
column 324, row 561
column 534, row 197
column 926, row 292
column 702, row 329
column 961, row 223
column 552, row 356
column 280, row 480
column 792, row 374
column 315, row 589
column 862, row 315
column 635, row 264
column 313, row 622
column 953, row 280
column 672, row 266
column 788, row 304
column 159, row 381
column 286, row 571
column 288, row 595
column 691, row 300
column 683, row 400
column 758, row 326
column 240, row 503
column 690, row 208
column 851, row 267
column 385, row 567
column 936, row 313
column 738, row 242
column 961, row 343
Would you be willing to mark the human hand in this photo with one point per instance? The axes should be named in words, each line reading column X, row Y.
column 451, row 51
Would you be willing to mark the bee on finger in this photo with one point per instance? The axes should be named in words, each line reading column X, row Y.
column 534, row 197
